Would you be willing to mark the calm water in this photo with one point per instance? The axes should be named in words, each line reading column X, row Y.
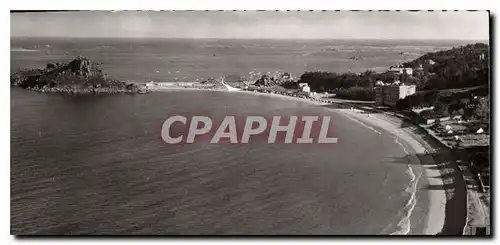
column 167, row 60
column 97, row 164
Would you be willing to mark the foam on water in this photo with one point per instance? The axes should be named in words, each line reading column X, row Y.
column 404, row 225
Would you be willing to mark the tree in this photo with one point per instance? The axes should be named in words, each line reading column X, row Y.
column 482, row 110
column 357, row 93
column 457, row 67
column 404, row 76
column 428, row 114
column 404, row 104
column 441, row 109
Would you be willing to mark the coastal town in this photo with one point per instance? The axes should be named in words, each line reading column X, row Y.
column 232, row 122
column 418, row 92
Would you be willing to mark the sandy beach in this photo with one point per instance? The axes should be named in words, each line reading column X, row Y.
column 178, row 88
column 424, row 164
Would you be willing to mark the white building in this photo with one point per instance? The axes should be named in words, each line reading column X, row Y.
column 401, row 70
column 150, row 84
column 306, row 88
column 391, row 94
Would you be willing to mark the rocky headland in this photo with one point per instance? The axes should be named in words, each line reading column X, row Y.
column 81, row 76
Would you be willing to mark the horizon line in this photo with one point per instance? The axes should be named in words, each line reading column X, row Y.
column 228, row 38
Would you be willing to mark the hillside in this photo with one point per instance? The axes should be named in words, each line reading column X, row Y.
column 459, row 67
column 468, row 54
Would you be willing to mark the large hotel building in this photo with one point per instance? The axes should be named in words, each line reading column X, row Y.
column 390, row 94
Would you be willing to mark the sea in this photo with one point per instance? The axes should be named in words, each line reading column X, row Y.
column 98, row 165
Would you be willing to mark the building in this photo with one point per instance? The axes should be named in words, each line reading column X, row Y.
column 150, row 84
column 390, row 95
column 401, row 70
column 306, row 88
column 430, row 121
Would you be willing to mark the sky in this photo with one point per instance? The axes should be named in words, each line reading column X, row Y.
column 463, row 25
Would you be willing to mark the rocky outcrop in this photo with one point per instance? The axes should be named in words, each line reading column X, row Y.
column 280, row 79
column 212, row 83
column 80, row 76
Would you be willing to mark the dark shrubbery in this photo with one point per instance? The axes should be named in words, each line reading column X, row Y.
column 320, row 81
column 429, row 114
column 357, row 93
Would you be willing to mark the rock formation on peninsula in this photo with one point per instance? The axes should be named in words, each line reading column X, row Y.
column 80, row 76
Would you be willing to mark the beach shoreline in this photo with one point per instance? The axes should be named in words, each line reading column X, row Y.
column 422, row 163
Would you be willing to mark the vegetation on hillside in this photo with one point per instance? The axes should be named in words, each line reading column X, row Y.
column 454, row 82
column 459, row 67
